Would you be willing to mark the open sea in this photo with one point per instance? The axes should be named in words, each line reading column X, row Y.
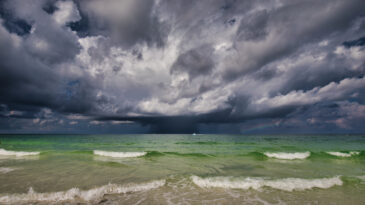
column 182, row 169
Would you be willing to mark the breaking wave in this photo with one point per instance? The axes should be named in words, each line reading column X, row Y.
column 119, row 154
column 4, row 152
column 343, row 154
column 288, row 155
column 286, row 184
column 80, row 195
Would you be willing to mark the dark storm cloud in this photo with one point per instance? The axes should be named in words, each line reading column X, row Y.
column 173, row 66
column 191, row 124
column 126, row 22
column 195, row 62
column 17, row 81
column 29, row 77
column 309, row 76
column 50, row 6
column 357, row 42
column 294, row 25
column 12, row 23
column 48, row 41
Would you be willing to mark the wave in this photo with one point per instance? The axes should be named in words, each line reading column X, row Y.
column 119, row 154
column 159, row 154
column 288, row 155
column 361, row 177
column 77, row 194
column 188, row 154
column 343, row 154
column 5, row 170
column 199, row 143
column 81, row 152
column 154, row 154
column 4, row 152
column 286, row 184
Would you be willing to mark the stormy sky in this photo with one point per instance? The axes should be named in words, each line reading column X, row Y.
column 182, row 66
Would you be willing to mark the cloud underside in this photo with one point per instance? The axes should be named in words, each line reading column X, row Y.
column 182, row 66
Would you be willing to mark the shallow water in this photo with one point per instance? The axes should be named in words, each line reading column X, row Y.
column 182, row 169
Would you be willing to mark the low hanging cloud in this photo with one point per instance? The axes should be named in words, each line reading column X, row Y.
column 182, row 66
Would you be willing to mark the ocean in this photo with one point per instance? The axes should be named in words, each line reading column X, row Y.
column 182, row 169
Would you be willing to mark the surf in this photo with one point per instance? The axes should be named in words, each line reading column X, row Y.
column 4, row 170
column 343, row 154
column 74, row 194
column 288, row 155
column 4, row 152
column 119, row 154
column 285, row 184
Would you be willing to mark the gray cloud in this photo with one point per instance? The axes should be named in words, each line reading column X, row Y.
column 253, row 27
column 195, row 62
column 182, row 66
column 357, row 42
column 125, row 22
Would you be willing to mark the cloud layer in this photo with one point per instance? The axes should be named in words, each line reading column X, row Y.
column 169, row 66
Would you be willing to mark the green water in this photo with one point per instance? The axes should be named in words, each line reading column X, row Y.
column 232, row 169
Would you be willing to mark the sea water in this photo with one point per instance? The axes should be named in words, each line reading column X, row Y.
column 182, row 169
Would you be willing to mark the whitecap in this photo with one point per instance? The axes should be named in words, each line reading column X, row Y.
column 286, row 184
column 342, row 154
column 4, row 152
column 288, row 155
column 119, row 154
column 5, row 170
column 80, row 195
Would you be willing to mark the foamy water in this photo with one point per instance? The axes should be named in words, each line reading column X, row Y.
column 286, row 184
column 342, row 154
column 288, row 155
column 5, row 170
column 4, row 152
column 119, row 154
column 77, row 194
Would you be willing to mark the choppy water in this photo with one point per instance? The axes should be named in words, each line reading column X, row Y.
column 182, row 169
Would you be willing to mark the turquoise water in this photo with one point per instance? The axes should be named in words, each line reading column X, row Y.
column 186, row 169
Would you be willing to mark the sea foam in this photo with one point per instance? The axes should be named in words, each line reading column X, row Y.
column 4, row 152
column 80, row 195
column 5, row 170
column 119, row 154
column 286, row 184
column 288, row 155
column 342, row 154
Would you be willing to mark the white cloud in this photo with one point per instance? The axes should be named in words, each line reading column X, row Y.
column 331, row 92
column 73, row 122
column 66, row 12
